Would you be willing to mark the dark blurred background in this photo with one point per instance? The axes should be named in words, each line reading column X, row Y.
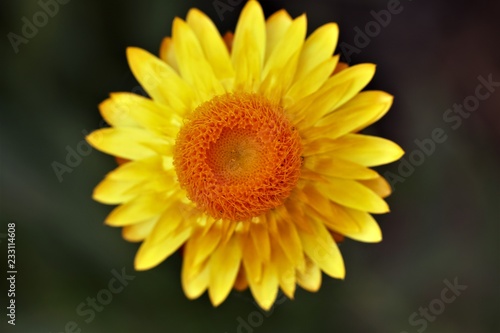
column 443, row 229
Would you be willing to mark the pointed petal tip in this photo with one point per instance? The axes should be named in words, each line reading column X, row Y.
column 138, row 264
column 380, row 95
column 280, row 13
column 401, row 151
column 93, row 139
column 216, row 298
column 142, row 264
column 303, row 16
column 110, row 222
column 196, row 15
column 135, row 56
column 96, row 196
column 133, row 51
column 266, row 305
column 341, row 273
column 189, row 294
column 382, row 209
column 194, row 12
column 129, row 49
column 141, row 268
column 177, row 23
column 252, row 7
column 366, row 68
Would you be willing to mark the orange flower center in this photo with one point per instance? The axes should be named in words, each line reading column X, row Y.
column 237, row 156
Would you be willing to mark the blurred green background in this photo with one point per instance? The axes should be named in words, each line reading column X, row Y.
column 445, row 216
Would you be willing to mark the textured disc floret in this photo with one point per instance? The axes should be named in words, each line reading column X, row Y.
column 238, row 156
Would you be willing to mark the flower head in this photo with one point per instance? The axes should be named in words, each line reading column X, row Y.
column 247, row 154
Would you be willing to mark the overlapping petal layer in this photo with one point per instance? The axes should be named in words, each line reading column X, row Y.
column 290, row 244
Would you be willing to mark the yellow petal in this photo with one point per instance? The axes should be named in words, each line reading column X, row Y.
column 165, row 182
column 213, row 45
column 150, row 256
column 193, row 65
column 361, row 149
column 336, row 218
column 251, row 260
column 310, row 278
column 271, row 221
column 332, row 215
column 285, row 269
column 112, row 191
column 138, row 209
column 281, row 65
column 323, row 250
column 161, row 81
column 369, row 230
column 201, row 245
column 319, row 146
column 336, row 91
column 361, row 111
column 352, row 194
column 312, row 82
column 139, row 231
column 276, row 26
column 288, row 46
column 167, row 53
column 313, row 198
column 248, row 49
column 241, row 282
column 367, row 150
column 308, row 175
column 224, row 266
column 143, row 112
column 116, row 114
column 288, row 238
column 278, row 80
column 128, row 143
column 296, row 110
column 167, row 236
column 137, row 170
column 265, row 290
column 369, row 98
column 228, row 228
column 318, row 48
column 337, row 167
column 378, row 185
column 349, row 222
column 294, row 207
column 195, row 279
column 260, row 237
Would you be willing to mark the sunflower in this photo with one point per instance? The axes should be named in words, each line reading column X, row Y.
column 246, row 155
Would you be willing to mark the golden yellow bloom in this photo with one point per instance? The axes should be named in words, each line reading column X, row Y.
column 247, row 154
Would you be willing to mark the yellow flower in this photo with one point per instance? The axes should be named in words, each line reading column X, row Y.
column 247, row 155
